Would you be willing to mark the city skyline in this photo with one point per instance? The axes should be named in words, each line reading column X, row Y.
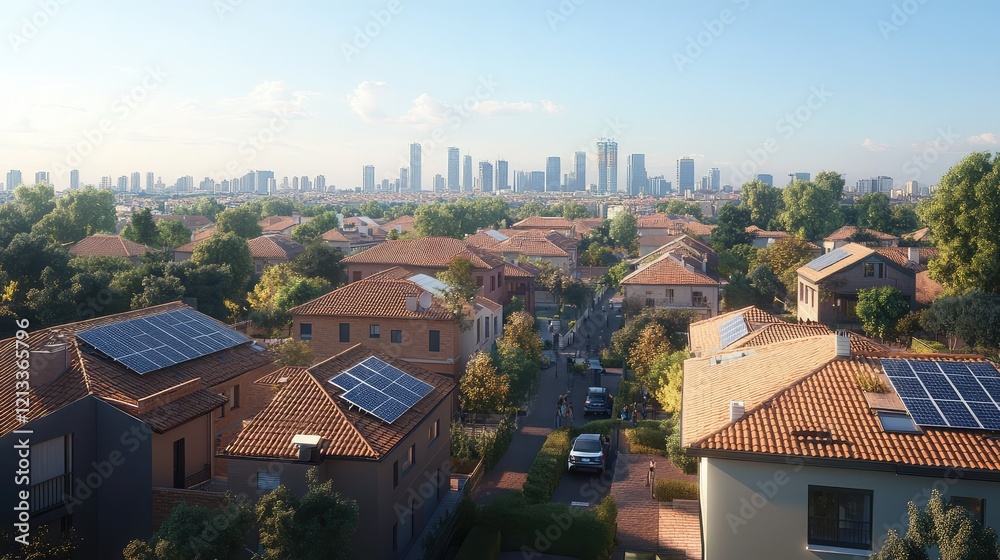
column 212, row 107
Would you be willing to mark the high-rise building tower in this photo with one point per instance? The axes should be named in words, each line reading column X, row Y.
column 320, row 183
column 305, row 184
column 13, row 179
column 607, row 166
column 685, row 174
column 912, row 189
column 713, row 179
column 438, row 182
column 766, row 178
column 636, row 178
column 107, row 183
column 122, row 183
column 552, row 174
column 467, row 174
column 42, row 177
column 486, row 176
column 502, row 183
column 264, row 180
column 150, row 181
column 453, row 158
column 135, row 183
column 799, row 176
column 415, row 170
column 580, row 171
column 74, row 179
column 368, row 179
column 404, row 179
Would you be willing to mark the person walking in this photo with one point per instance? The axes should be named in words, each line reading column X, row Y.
column 635, row 416
column 625, row 413
column 558, row 420
column 651, row 474
column 569, row 411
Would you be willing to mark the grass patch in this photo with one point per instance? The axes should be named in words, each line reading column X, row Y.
column 927, row 346
column 670, row 490
column 649, row 437
column 548, row 467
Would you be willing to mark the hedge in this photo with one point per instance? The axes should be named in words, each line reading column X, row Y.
column 669, row 490
column 649, row 437
column 602, row 427
column 548, row 467
column 482, row 543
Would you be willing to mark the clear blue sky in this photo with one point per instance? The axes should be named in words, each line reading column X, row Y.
column 539, row 78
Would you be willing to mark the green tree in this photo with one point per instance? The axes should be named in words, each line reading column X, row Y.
column 872, row 211
column 736, row 259
column 651, row 344
column 277, row 207
column 532, row 208
column 615, row 275
column 158, row 290
column 197, row 533
column 372, row 209
column 312, row 230
column 317, row 526
column 571, row 210
column 732, row 230
column 12, row 222
column 578, row 293
column 395, row 211
column 230, row 250
column 319, row 260
column 880, row 309
column 674, row 322
column 738, row 293
column 35, row 201
column 142, row 228
column 438, row 220
column 519, row 332
column 764, row 203
column 41, row 546
column 78, row 214
column 767, row 284
column 812, row 209
column 624, row 229
column 209, row 285
column 904, row 220
column 963, row 215
column 483, row 387
column 974, row 317
column 173, row 233
column 461, row 289
column 241, row 221
column 681, row 208
column 299, row 291
column 293, row 352
column 597, row 255
column 950, row 529
column 667, row 376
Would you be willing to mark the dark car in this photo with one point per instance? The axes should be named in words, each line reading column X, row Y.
column 599, row 401
column 589, row 451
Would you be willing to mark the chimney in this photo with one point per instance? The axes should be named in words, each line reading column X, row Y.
column 49, row 362
column 296, row 217
column 704, row 263
column 307, row 446
column 843, row 344
column 736, row 410
column 913, row 254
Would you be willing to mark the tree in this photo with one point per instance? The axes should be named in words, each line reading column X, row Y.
column 951, row 529
column 293, row 353
column 142, row 228
column 812, row 209
column 904, row 220
column 880, row 309
column 299, row 291
column 317, row 526
column 764, row 203
column 437, row 220
column 241, row 221
column 227, row 249
column 767, row 284
column 372, row 209
column 312, row 230
column 963, row 216
column 78, row 214
column 483, row 388
column 197, row 533
column 399, row 210
column 615, row 275
column 12, row 222
column 35, row 201
column 652, row 343
column 277, row 207
column 674, row 322
column 42, row 546
column 624, row 229
column 577, row 293
column 681, row 208
column 597, row 255
column 872, row 212
column 738, row 293
column 210, row 285
column 519, row 332
column 204, row 206
column 173, row 233
column 732, row 230
column 570, row 210
column 974, row 317
column 736, row 259
column 667, row 375
column 532, row 208
column 319, row 260
column 462, row 289
column 158, row 290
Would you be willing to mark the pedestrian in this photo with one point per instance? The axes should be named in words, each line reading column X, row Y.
column 558, row 420
column 635, row 416
column 625, row 413
column 562, row 409
column 569, row 411
column 652, row 470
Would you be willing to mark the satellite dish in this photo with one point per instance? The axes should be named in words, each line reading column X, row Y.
column 425, row 300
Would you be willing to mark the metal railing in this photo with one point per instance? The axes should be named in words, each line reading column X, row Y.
column 199, row 477
column 51, row 493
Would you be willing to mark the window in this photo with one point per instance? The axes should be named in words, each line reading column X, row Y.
column 975, row 506
column 479, row 281
column 51, row 465
column 493, row 283
column 434, row 341
column 487, row 334
column 268, row 480
column 900, row 423
column 801, row 290
column 395, row 474
column 234, row 397
column 222, row 409
column 411, row 458
column 356, row 276
column 670, row 295
column 374, row 331
column 259, row 268
column 479, row 330
column 433, row 431
column 840, row 517
column 345, row 332
column 305, row 331
column 649, row 302
column 496, row 325
column 869, row 269
column 880, row 269
column 396, row 336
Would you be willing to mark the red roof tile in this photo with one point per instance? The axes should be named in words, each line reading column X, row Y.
column 381, row 295
column 845, row 233
column 425, row 252
column 667, row 271
column 103, row 245
column 274, row 247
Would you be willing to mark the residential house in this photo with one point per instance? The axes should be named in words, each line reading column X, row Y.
column 402, row 224
column 399, row 313
column 661, row 224
column 797, row 460
column 651, row 242
column 669, row 282
column 564, row 226
column 519, row 278
column 337, row 240
column 120, row 410
column 395, row 468
column 828, row 285
column 103, row 245
column 917, row 259
column 550, row 246
column 362, row 232
column 266, row 250
column 193, row 222
column 855, row 234
column 693, row 252
column 761, row 238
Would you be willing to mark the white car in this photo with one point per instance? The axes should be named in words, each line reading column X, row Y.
column 589, row 451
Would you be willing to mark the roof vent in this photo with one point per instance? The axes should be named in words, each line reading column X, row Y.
column 736, row 410
column 308, row 445
column 843, row 342
column 50, row 361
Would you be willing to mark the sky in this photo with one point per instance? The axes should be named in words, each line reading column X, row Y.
column 219, row 87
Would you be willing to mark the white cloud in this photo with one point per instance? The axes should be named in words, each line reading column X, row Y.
column 873, row 146
column 981, row 139
column 490, row 107
column 364, row 101
column 425, row 111
column 267, row 99
column 551, row 107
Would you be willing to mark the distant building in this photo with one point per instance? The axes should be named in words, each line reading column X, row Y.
column 713, row 179
column 74, row 179
column 766, row 178
column 880, row 184
column 107, row 183
column 635, row 175
column 14, row 179
column 502, row 182
column 467, row 174
column 368, row 179
column 207, row 185
column 135, row 184
column 658, row 186
column 320, row 184
column 438, row 182
column 122, row 183
column 150, row 181
column 912, row 189
column 485, row 176
column 552, row 174
column 579, row 171
column 453, row 159
column 415, row 167
column 794, row 177
column 265, row 182
column 685, row 174
column 42, row 177
column 536, row 181
column 607, row 166
column 404, row 179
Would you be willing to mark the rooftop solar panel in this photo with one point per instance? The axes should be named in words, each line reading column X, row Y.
column 154, row 342
column 958, row 394
column 732, row 330
column 381, row 389
column 833, row 257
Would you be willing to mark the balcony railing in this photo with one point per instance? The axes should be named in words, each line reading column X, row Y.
column 199, row 477
column 51, row 493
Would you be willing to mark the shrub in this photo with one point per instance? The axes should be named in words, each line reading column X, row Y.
column 688, row 465
column 610, row 358
column 489, row 446
column 481, row 543
column 548, row 467
column 669, row 490
column 927, row 346
column 648, row 438
column 628, row 392
column 602, row 427
column 870, row 383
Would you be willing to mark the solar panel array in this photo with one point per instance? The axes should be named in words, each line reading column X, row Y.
column 732, row 330
column 157, row 341
column 833, row 257
column 380, row 389
column 947, row 394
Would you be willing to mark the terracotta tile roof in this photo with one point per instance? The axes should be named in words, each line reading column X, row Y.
column 278, row 223
column 704, row 334
column 426, row 252
column 405, row 223
column 91, row 374
column 862, row 345
column 900, row 256
column 584, row 225
column 667, row 271
column 662, row 221
column 182, row 410
column 530, row 246
column 204, row 233
column 826, row 415
column 856, row 254
column 847, row 232
column 353, row 222
column 756, row 232
column 382, row 295
column 483, row 240
column 193, row 222
column 103, row 245
column 334, row 236
column 656, row 240
column 309, row 404
column 700, row 229
column 754, row 378
column 779, row 332
column 516, row 271
column 682, row 246
column 487, row 303
column 546, row 222
column 274, row 247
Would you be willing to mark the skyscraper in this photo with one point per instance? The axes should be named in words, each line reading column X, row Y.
column 766, row 178
column 264, row 182
column 536, row 181
column 13, row 179
column 799, row 176
column 635, row 176
column 74, row 179
column 552, row 174
column 580, row 171
column 438, row 182
column 467, row 174
column 415, row 170
column 150, row 181
column 486, row 176
column 713, row 179
column 502, row 183
column 659, row 186
column 135, row 184
column 320, row 184
column 122, row 183
column 607, row 166
column 304, row 183
column 295, row 184
column 453, row 184
column 685, row 174
column 912, row 189
column 107, row 183
column 42, row 177
column 404, row 179
column 368, row 179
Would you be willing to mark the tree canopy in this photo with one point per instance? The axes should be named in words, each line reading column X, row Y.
column 812, row 208
column 317, row 526
column 624, row 229
column 764, row 203
column 484, row 388
column 462, row 288
column 230, row 250
column 241, row 221
column 142, row 228
column 950, row 529
column 312, row 230
column 461, row 217
column 682, row 208
column 78, row 214
column 732, row 229
column 880, row 309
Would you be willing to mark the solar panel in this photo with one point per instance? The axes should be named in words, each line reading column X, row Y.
column 949, row 394
column 154, row 342
column 732, row 330
column 833, row 257
column 381, row 389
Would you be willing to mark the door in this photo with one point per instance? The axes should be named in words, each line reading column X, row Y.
column 179, row 474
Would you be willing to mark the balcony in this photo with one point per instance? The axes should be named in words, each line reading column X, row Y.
column 51, row 493
column 699, row 301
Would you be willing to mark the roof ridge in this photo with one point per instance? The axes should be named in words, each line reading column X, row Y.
column 308, row 372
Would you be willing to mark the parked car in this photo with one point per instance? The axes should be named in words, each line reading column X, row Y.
column 599, row 401
column 589, row 451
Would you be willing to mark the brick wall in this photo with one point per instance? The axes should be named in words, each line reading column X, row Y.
column 166, row 499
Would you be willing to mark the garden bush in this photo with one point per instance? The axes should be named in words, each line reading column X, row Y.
column 602, row 427
column 548, row 467
column 648, row 437
column 489, row 446
column 687, row 464
column 669, row 490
